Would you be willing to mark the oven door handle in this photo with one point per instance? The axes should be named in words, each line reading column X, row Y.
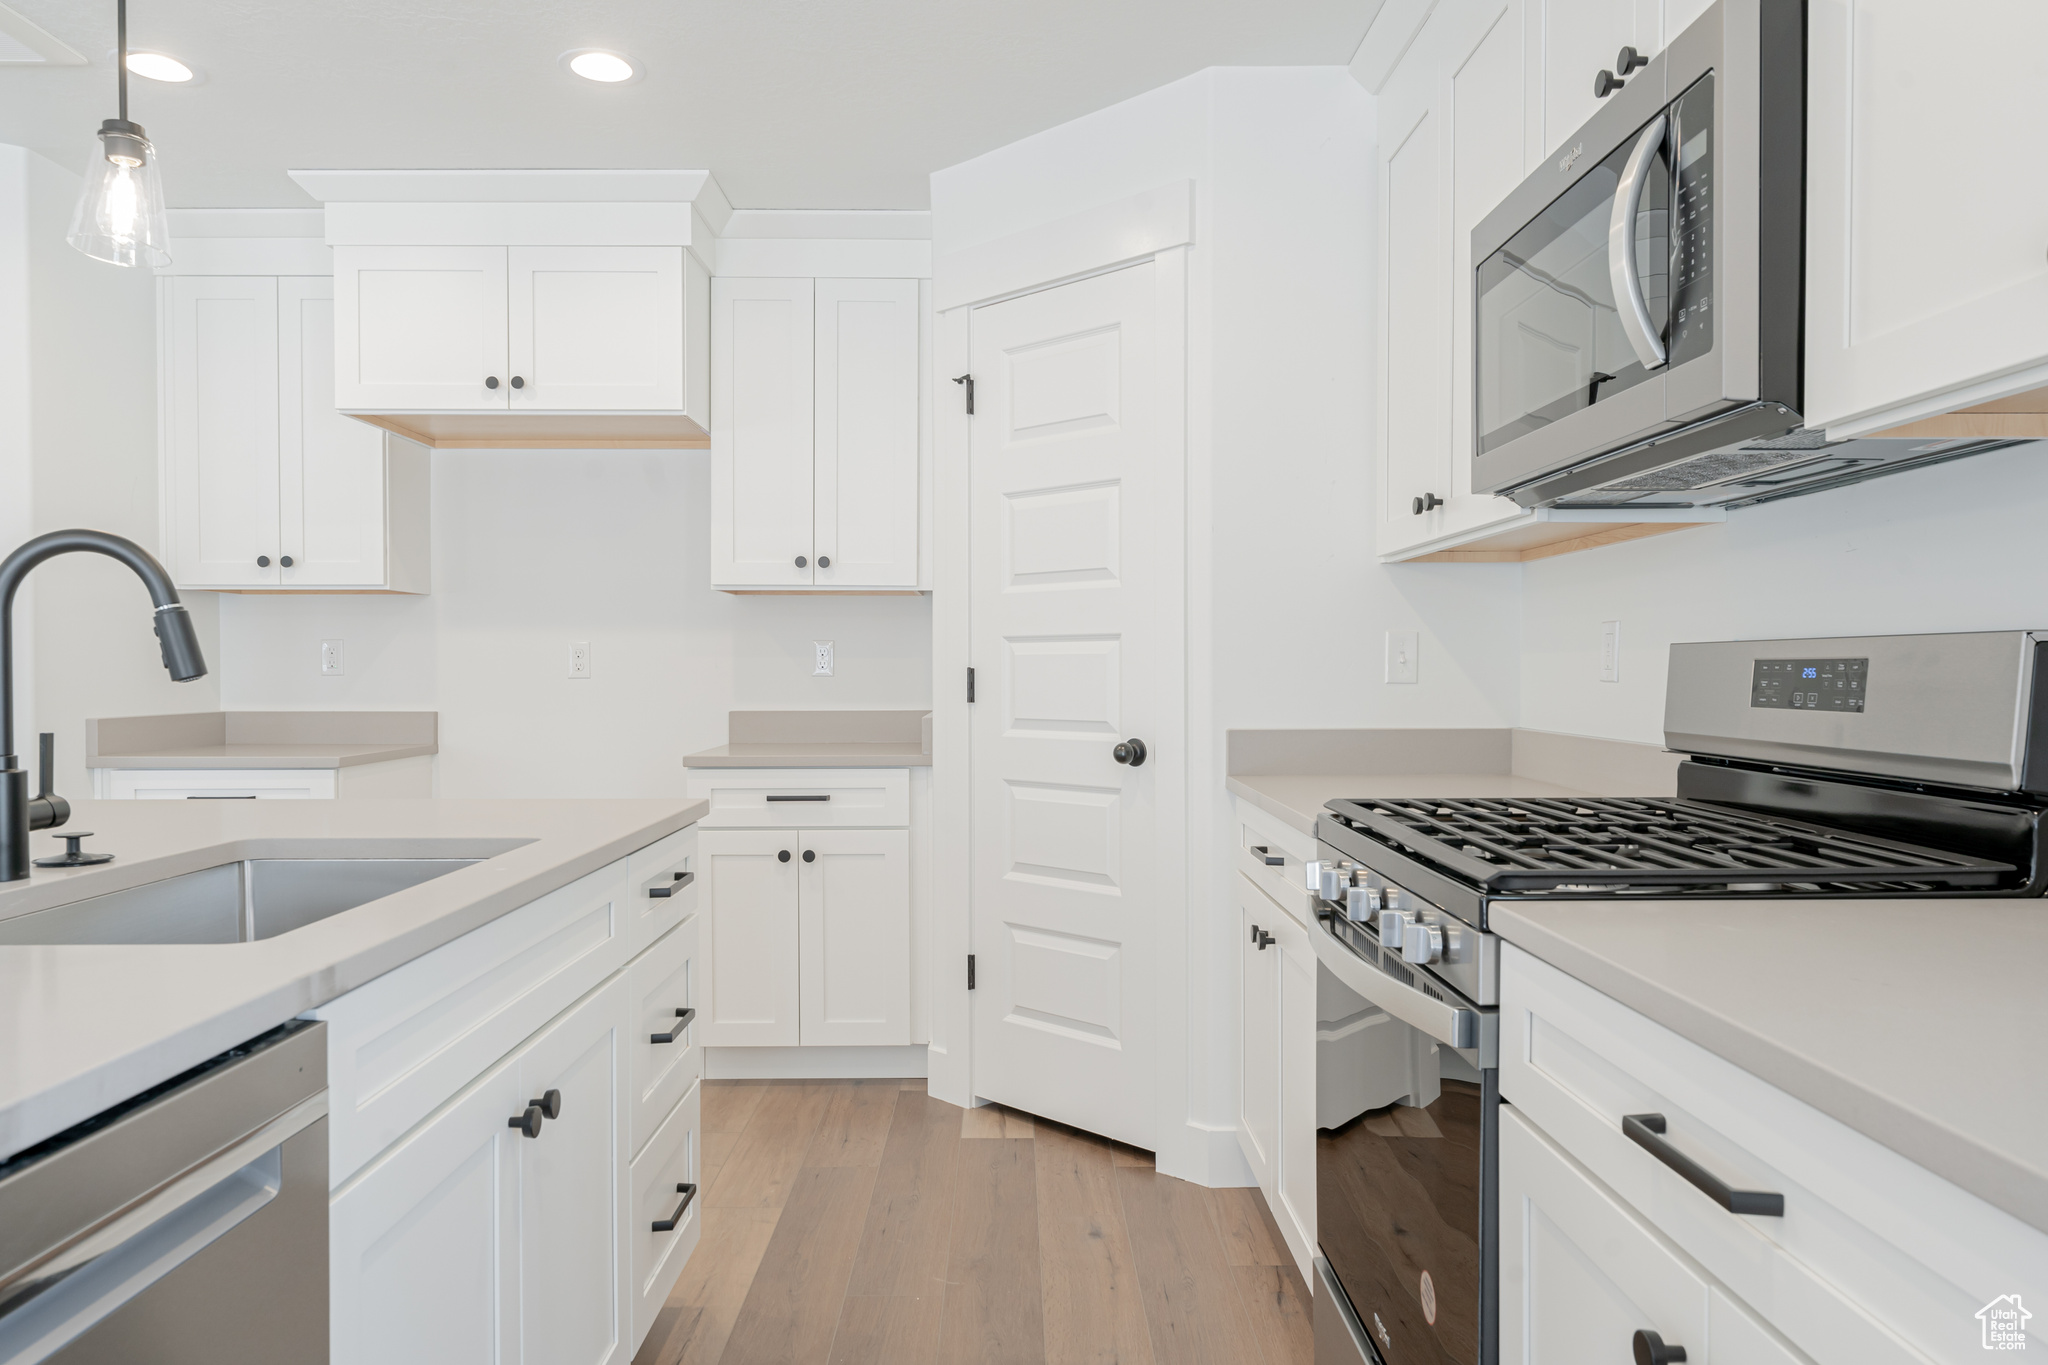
column 1622, row 275
column 1454, row 1025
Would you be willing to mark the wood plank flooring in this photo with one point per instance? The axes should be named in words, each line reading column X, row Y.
column 866, row 1223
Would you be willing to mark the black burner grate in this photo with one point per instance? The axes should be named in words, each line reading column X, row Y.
column 1549, row 844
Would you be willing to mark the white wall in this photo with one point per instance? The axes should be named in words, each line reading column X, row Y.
column 78, row 448
column 534, row 550
column 1956, row 546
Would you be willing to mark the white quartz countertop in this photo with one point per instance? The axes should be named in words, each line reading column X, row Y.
column 1917, row 1023
column 1299, row 799
column 264, row 756
column 83, row 1027
column 814, row 754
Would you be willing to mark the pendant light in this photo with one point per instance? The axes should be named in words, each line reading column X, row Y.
column 120, row 216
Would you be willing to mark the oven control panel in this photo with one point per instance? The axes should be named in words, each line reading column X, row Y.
column 1810, row 684
column 1405, row 923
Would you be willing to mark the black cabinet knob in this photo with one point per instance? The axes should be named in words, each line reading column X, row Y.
column 783, row 856
column 517, row 382
column 286, row 561
column 527, row 1122
column 262, row 561
column 1265, row 940
column 802, row 562
column 549, row 1104
column 1255, row 933
column 491, row 382
column 824, row 561
column 1131, row 751
column 1628, row 61
column 1605, row 84
column 1428, row 502
column 1651, row 1350
column 810, row 855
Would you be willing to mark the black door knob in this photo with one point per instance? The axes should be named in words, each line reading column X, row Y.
column 286, row 561
column 1651, row 1350
column 1428, row 502
column 262, row 561
column 549, row 1104
column 491, row 382
column 810, row 855
column 1628, row 61
column 527, row 1122
column 783, row 856
column 802, row 561
column 1131, row 751
column 517, row 382
column 1605, row 84
column 824, row 561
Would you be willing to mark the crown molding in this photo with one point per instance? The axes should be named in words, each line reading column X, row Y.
column 514, row 187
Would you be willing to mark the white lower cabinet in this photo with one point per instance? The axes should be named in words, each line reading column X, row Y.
column 490, row 1231
column 1277, row 1082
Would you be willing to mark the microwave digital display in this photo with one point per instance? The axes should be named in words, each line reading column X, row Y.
column 1810, row 684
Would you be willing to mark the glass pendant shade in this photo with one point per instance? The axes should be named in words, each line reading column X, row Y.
column 120, row 215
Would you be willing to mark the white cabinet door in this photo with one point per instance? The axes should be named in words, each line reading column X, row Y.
column 573, row 1296
column 1927, row 224
column 220, row 430
column 331, row 493
column 424, row 1247
column 420, row 328
column 761, row 432
column 749, row 897
column 1581, row 1273
column 1296, row 1211
column 855, row 936
column 1578, row 39
column 596, row 328
column 864, row 503
column 1258, row 1121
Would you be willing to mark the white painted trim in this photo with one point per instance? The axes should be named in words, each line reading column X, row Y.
column 1936, row 405
column 510, row 223
column 1394, row 26
column 844, row 258
column 509, row 187
column 826, row 224
column 952, row 828
column 713, row 208
column 1084, row 243
column 249, row 256
column 189, row 223
column 813, row 1063
column 49, row 50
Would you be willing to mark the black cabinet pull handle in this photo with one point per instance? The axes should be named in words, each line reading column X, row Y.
column 517, row 382
column 528, row 1122
column 1647, row 1132
column 1605, row 84
column 491, row 382
column 1628, row 61
column 1265, row 940
column 810, row 855
column 783, row 856
column 1131, row 751
column 673, row 888
column 689, row 1192
column 549, row 1104
column 1272, row 859
column 773, row 796
column 1650, row 1348
column 683, row 1018
column 1428, row 502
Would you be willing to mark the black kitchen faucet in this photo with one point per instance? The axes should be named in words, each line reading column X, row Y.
column 19, row 813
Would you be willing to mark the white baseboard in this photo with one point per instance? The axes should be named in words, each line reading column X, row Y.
column 1205, row 1155
column 814, row 1063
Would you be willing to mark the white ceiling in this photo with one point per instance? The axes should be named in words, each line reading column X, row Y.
column 844, row 104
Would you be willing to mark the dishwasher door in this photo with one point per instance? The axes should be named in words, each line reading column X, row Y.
column 187, row 1225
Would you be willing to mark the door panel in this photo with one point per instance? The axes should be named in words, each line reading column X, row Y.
column 661, row 981
column 1259, row 984
column 596, row 328
column 750, row 916
column 330, row 467
column 221, row 430
column 1416, row 387
column 865, row 503
column 761, row 432
column 855, row 936
column 1580, row 39
column 419, row 328
column 1297, row 1067
column 1069, row 472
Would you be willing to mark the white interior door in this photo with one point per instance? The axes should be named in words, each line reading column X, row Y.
column 750, row 899
column 420, row 328
column 864, row 510
column 596, row 328
column 1070, row 474
column 330, row 467
column 761, row 434
column 855, row 932
column 221, row 430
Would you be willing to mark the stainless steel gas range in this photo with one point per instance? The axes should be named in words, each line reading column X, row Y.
column 1869, row 767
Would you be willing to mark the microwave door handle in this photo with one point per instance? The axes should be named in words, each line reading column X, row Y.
column 1627, row 282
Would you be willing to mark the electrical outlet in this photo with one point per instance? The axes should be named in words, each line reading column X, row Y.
column 823, row 667
column 330, row 658
column 1610, row 651
column 1401, row 646
column 579, row 659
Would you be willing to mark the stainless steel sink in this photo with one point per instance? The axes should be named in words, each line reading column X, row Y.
column 233, row 903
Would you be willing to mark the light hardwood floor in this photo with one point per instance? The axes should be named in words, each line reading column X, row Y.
column 865, row 1223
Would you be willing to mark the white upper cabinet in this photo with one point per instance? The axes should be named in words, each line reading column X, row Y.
column 264, row 485
column 1927, row 220
column 420, row 328
column 596, row 328
column 816, row 443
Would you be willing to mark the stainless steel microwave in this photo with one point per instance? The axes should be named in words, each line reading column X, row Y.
column 1638, row 301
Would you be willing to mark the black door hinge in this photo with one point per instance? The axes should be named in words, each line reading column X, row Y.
column 968, row 380
column 970, row 971
column 970, row 684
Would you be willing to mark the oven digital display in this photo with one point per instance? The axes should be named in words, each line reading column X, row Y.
column 1810, row 684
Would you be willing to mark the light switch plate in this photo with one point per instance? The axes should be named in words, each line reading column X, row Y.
column 822, row 649
column 330, row 658
column 1610, row 651
column 579, row 659
column 1401, row 647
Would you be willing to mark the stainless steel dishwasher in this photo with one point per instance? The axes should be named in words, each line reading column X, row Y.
column 186, row 1225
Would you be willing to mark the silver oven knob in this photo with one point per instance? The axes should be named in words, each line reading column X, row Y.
column 1361, row 903
column 1312, row 871
column 1393, row 926
column 1422, row 944
column 1334, row 880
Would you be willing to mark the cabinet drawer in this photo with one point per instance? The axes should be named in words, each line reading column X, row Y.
column 658, row 1255
column 214, row 784
column 662, row 982
column 1276, row 868
column 1874, row 1258
column 803, row 798
column 401, row 1045
column 664, row 880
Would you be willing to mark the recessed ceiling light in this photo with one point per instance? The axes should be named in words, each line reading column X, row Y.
column 603, row 66
column 158, row 67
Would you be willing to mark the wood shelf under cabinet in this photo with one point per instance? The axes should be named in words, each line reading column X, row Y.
column 543, row 431
column 1542, row 532
column 2023, row 416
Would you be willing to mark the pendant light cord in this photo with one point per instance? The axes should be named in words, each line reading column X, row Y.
column 121, row 40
